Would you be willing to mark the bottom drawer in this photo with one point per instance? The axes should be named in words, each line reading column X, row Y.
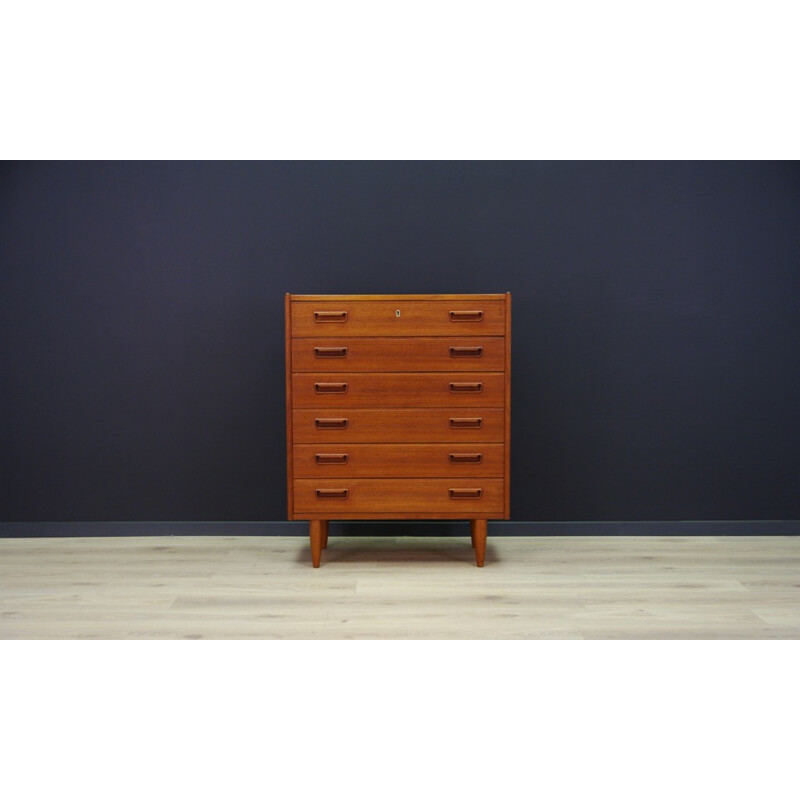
column 340, row 497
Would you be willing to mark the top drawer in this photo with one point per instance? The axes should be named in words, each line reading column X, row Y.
column 473, row 317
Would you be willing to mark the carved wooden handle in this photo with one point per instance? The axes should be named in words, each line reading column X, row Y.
column 330, row 316
column 466, row 387
column 466, row 316
column 466, row 422
column 331, row 423
column 464, row 494
column 330, row 388
column 331, row 458
column 466, row 352
column 330, row 352
column 466, row 458
column 331, row 494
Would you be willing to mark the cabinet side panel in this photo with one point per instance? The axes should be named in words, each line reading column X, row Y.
column 507, row 505
column 289, row 440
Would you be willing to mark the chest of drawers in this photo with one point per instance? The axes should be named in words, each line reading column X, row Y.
column 398, row 407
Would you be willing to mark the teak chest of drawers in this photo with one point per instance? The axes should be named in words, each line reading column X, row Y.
column 398, row 407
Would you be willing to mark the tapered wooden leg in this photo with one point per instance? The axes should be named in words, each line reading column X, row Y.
column 472, row 532
column 479, row 537
column 315, row 527
column 324, row 533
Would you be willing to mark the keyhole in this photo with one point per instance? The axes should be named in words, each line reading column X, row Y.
column 397, row 313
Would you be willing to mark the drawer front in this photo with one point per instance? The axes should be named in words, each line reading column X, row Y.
column 338, row 497
column 387, row 425
column 382, row 354
column 331, row 319
column 397, row 389
column 398, row 460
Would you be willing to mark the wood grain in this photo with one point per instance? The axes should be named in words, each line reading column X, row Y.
column 479, row 530
column 400, row 354
column 363, row 297
column 325, row 530
column 337, row 497
column 403, row 516
column 289, row 436
column 395, row 585
column 417, row 318
column 398, row 460
column 397, row 389
column 507, row 436
column 370, row 369
column 399, row 425
column 316, row 530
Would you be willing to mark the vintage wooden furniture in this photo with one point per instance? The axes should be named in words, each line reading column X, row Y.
column 398, row 407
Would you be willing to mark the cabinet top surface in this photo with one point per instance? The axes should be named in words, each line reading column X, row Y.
column 315, row 298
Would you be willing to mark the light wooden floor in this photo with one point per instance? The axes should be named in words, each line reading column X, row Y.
column 400, row 588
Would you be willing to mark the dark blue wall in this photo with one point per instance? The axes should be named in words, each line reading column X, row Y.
column 656, row 368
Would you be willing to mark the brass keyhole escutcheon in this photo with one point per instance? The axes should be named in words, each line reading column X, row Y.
column 397, row 313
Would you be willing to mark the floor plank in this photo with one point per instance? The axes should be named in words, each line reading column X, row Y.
column 400, row 588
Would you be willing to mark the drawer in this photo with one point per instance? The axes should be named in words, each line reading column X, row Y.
column 455, row 496
column 382, row 354
column 398, row 460
column 312, row 425
column 398, row 389
column 331, row 319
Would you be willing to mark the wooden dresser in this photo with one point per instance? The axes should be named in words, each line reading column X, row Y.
column 398, row 407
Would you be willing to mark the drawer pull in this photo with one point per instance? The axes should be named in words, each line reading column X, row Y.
column 331, row 458
column 466, row 316
column 330, row 316
column 466, row 352
column 330, row 352
column 466, row 422
column 465, row 494
column 331, row 423
column 330, row 388
column 466, row 458
column 331, row 494
column 466, row 387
